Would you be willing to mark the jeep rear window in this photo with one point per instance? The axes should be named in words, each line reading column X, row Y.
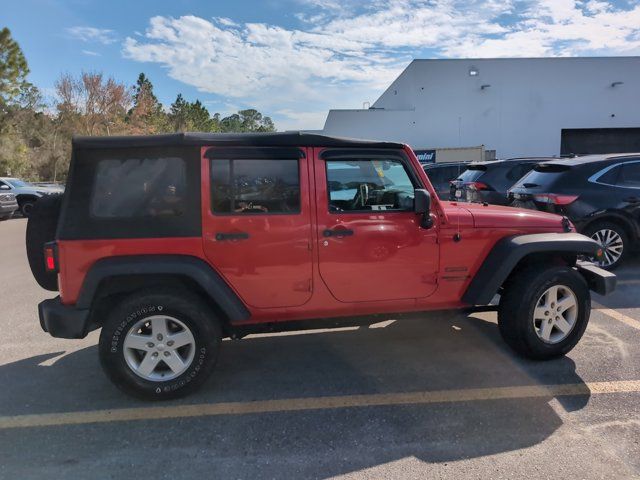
column 139, row 187
column 255, row 186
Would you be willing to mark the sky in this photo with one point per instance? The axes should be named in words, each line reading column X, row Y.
column 296, row 59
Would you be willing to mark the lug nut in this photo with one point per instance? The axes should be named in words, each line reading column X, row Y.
column 155, row 354
column 546, row 313
column 170, row 343
column 150, row 344
column 166, row 354
column 159, row 337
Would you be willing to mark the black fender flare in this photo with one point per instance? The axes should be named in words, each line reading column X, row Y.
column 508, row 252
column 189, row 266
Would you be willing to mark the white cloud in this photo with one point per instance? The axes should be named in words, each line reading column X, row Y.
column 349, row 53
column 91, row 53
column 92, row 34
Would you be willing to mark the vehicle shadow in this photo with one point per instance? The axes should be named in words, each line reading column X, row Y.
column 443, row 352
column 628, row 286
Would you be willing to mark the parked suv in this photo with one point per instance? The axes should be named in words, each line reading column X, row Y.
column 170, row 243
column 488, row 182
column 8, row 204
column 599, row 193
column 26, row 193
column 441, row 175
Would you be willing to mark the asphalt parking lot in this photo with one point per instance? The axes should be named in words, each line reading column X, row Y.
column 439, row 397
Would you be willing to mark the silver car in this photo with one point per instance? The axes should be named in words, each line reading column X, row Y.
column 8, row 205
column 25, row 193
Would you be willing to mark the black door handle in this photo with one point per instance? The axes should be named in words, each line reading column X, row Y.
column 221, row 236
column 337, row 232
column 632, row 199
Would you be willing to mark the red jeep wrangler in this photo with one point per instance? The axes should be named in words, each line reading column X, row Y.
column 170, row 243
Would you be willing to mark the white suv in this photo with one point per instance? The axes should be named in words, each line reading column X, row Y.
column 26, row 193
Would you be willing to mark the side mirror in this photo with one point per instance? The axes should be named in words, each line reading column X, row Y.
column 421, row 201
column 5, row 187
column 422, row 206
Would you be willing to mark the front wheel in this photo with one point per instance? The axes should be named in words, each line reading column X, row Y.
column 543, row 313
column 26, row 207
column 159, row 344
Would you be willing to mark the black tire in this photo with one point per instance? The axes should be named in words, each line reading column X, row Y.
column 41, row 228
column 183, row 306
column 599, row 226
column 26, row 207
column 519, row 300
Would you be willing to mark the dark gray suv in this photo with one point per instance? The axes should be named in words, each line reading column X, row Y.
column 488, row 182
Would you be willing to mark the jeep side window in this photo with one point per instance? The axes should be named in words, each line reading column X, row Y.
column 255, row 186
column 139, row 187
column 368, row 185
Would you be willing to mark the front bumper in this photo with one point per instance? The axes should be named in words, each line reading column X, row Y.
column 599, row 280
column 6, row 208
column 63, row 321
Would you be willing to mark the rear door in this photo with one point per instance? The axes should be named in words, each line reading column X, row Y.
column 256, row 222
column 371, row 246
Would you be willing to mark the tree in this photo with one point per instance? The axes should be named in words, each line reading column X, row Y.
column 93, row 105
column 192, row 116
column 249, row 120
column 147, row 114
column 179, row 114
column 13, row 67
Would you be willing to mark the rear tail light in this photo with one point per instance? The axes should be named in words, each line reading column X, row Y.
column 552, row 198
column 477, row 186
column 51, row 257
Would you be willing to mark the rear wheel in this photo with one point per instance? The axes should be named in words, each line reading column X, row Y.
column 159, row 344
column 613, row 240
column 543, row 313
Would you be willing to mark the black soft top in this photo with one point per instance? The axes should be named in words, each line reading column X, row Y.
column 279, row 139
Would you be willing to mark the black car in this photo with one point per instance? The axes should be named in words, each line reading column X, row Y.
column 489, row 181
column 600, row 194
column 441, row 175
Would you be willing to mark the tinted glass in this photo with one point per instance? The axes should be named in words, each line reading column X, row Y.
column 245, row 186
column 19, row 183
column 630, row 175
column 139, row 187
column 471, row 174
column 518, row 171
column 436, row 175
column 610, row 177
column 365, row 185
column 543, row 175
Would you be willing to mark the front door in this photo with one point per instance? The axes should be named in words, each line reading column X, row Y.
column 371, row 245
column 256, row 222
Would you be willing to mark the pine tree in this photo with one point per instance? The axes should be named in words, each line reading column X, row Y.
column 13, row 67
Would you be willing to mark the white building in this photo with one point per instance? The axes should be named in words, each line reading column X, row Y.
column 515, row 106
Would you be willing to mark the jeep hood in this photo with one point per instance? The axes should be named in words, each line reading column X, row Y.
column 494, row 216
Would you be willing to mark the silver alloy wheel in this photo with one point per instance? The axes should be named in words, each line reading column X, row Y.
column 555, row 314
column 611, row 244
column 159, row 348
